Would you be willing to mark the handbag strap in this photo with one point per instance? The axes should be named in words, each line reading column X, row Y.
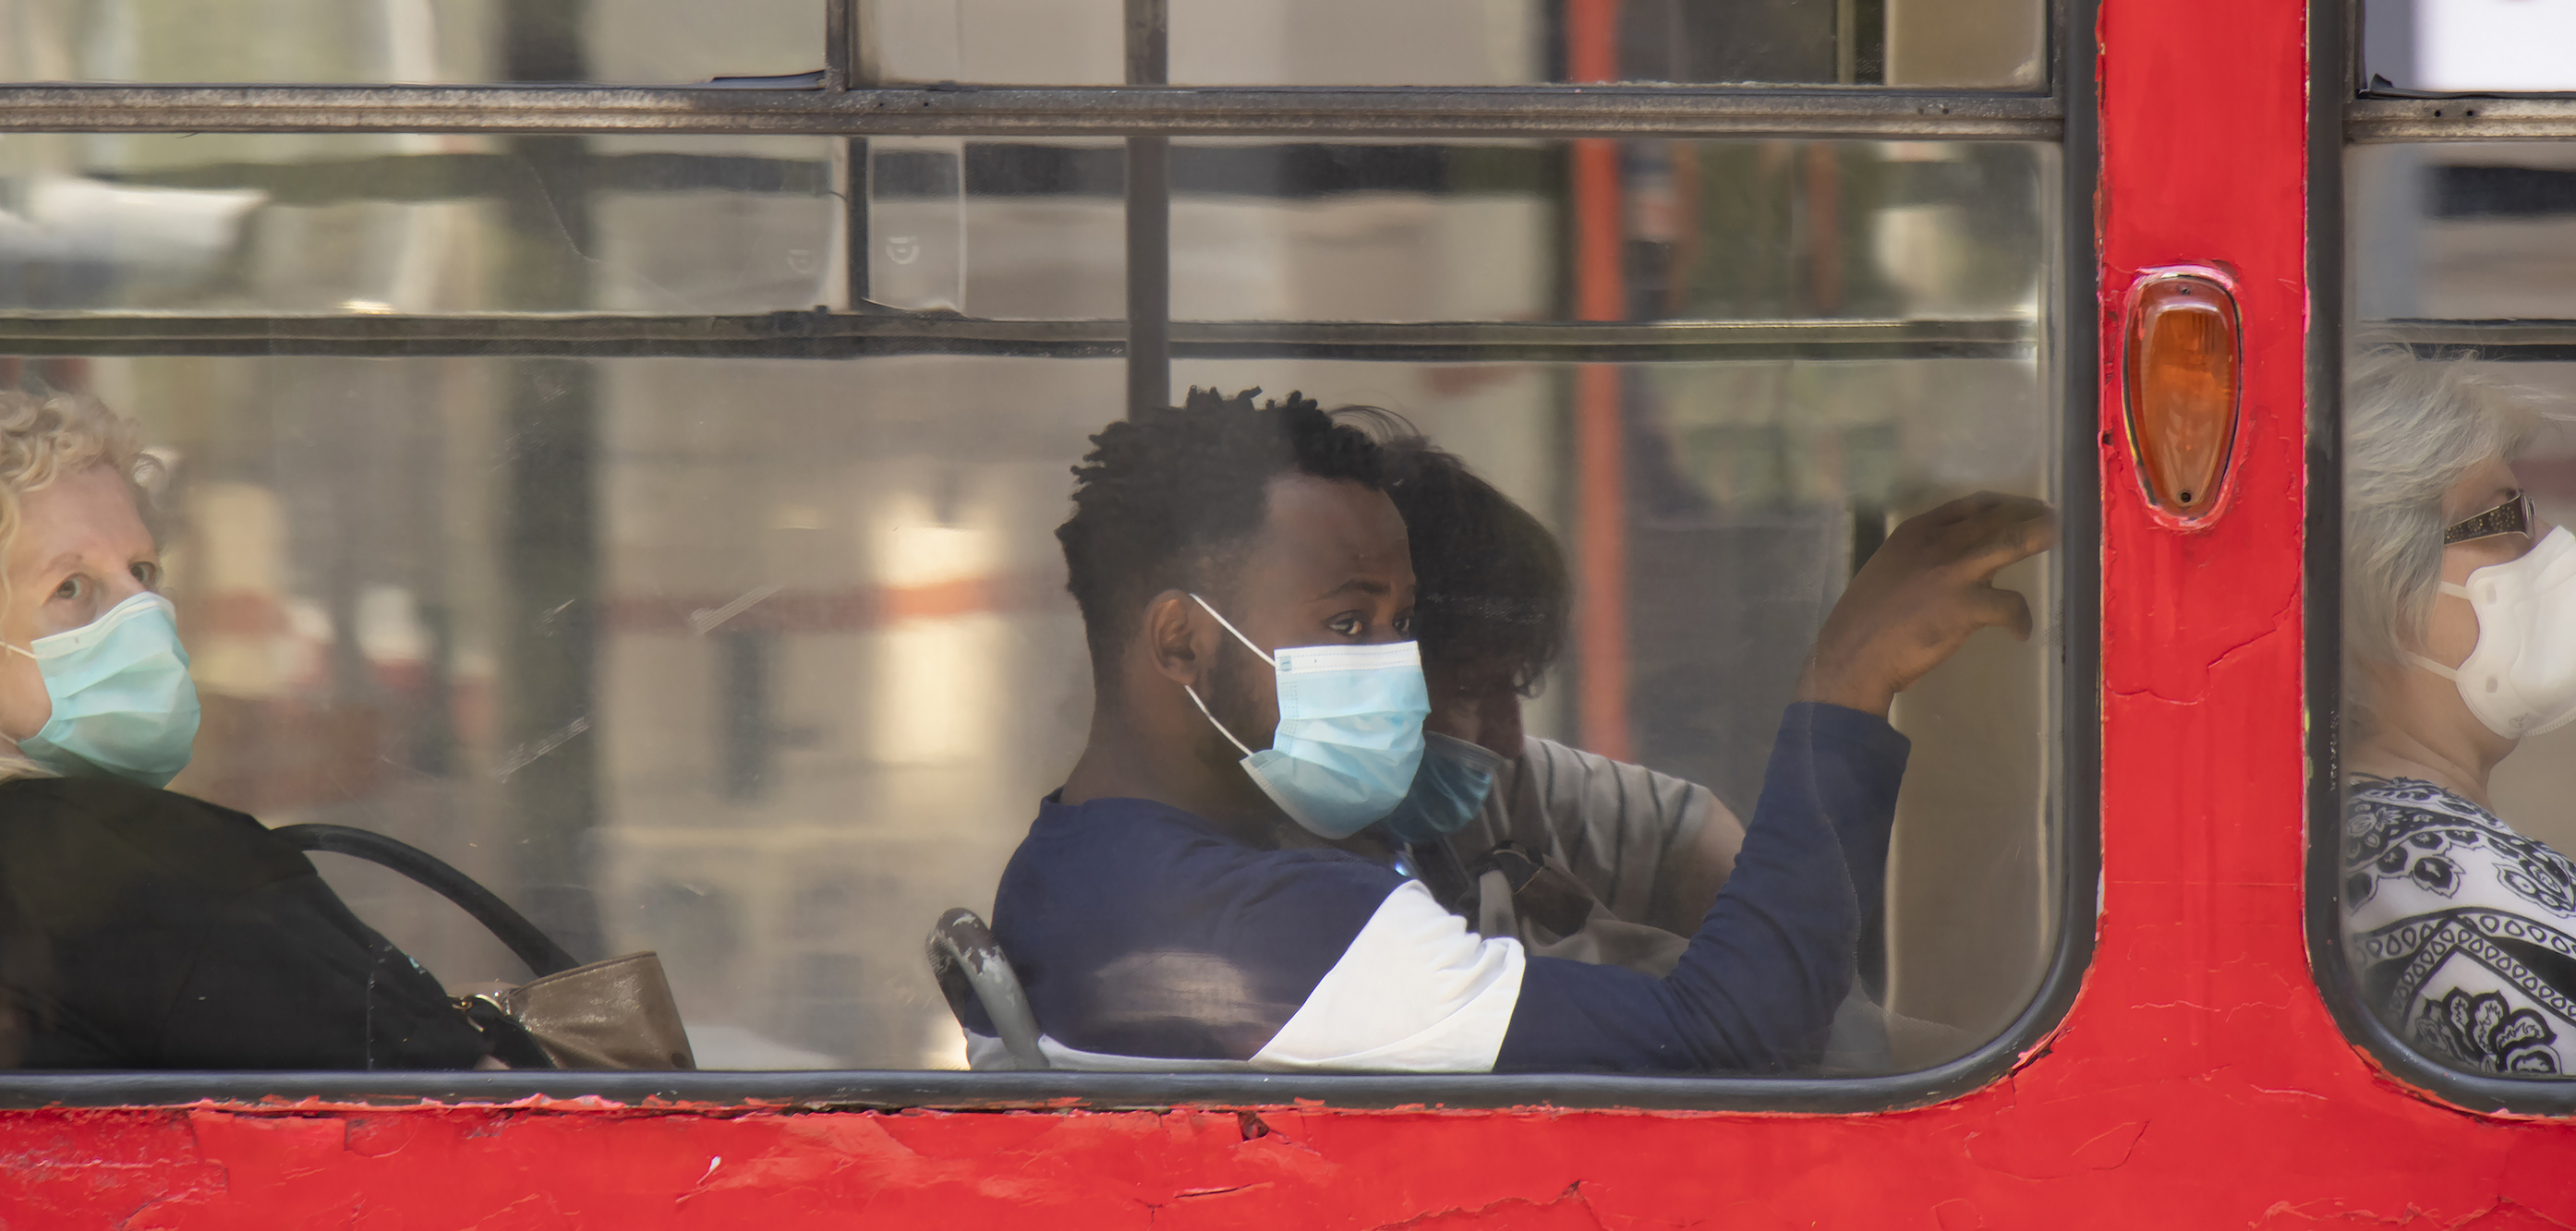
column 525, row 939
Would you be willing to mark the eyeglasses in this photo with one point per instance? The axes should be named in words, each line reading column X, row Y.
column 2514, row 516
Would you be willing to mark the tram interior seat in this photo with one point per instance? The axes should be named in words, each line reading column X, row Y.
column 984, row 994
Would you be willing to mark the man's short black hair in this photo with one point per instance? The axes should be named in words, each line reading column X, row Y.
column 1490, row 581
column 1168, row 499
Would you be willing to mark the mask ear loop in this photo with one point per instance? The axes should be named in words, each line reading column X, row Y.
column 1220, row 727
column 2449, row 673
column 1194, row 693
column 1238, row 633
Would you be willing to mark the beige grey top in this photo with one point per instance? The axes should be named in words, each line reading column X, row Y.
column 1624, row 831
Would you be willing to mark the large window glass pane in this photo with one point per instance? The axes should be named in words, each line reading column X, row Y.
column 461, row 41
column 765, row 664
column 1993, row 43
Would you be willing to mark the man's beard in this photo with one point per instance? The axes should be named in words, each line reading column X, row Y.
column 1231, row 699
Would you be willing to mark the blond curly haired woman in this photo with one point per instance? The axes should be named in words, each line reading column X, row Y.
column 140, row 928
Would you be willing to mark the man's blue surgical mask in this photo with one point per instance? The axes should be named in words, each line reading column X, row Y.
column 123, row 703
column 1450, row 788
column 1350, row 731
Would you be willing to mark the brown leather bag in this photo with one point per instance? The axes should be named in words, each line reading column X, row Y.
column 616, row 1014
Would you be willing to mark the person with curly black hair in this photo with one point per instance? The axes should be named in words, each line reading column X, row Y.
column 1618, row 842
column 1193, row 897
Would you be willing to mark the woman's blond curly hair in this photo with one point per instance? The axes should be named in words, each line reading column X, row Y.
column 43, row 437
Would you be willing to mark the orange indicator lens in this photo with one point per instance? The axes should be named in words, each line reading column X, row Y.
column 2182, row 385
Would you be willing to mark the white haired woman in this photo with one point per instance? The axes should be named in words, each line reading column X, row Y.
column 2460, row 637
column 141, row 928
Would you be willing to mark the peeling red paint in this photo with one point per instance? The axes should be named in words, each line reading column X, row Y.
column 2197, row 1082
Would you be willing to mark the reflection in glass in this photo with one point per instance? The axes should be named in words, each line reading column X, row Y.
column 1709, row 230
column 407, row 223
column 1002, row 229
column 2478, row 231
column 262, row 224
column 2471, row 46
column 653, row 42
column 1993, row 43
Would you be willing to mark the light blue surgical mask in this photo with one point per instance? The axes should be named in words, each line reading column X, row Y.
column 1350, row 731
column 124, row 706
column 1448, row 790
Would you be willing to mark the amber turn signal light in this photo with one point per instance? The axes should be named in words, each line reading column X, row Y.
column 2182, row 381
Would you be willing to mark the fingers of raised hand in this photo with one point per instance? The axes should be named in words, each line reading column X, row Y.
column 2004, row 534
column 2005, row 609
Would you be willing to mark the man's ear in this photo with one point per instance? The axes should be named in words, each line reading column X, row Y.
column 1179, row 638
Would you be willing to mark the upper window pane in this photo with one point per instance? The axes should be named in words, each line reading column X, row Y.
column 277, row 224
column 1711, row 230
column 2469, row 46
column 2466, row 230
column 652, row 42
column 1003, row 229
column 1990, row 43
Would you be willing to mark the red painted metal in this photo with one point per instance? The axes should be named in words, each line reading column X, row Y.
column 2198, row 1081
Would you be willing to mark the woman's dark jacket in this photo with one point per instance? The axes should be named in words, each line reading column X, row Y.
column 141, row 929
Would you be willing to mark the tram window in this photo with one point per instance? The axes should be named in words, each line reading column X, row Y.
column 424, row 41
column 2458, row 901
column 691, row 540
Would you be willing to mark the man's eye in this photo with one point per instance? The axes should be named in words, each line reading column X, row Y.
column 148, row 573
column 72, row 587
column 1404, row 625
column 1346, row 625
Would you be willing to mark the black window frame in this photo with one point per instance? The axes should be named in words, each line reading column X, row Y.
column 1148, row 115
column 2343, row 114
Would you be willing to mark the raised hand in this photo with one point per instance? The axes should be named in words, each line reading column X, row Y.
column 1928, row 587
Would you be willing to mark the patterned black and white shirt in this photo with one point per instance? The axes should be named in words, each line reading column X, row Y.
column 2462, row 932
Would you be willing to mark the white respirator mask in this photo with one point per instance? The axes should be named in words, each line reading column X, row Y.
column 2520, row 679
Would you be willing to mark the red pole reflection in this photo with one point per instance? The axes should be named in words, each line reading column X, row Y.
column 1600, row 481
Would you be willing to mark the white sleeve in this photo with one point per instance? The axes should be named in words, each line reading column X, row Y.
column 1415, row 992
